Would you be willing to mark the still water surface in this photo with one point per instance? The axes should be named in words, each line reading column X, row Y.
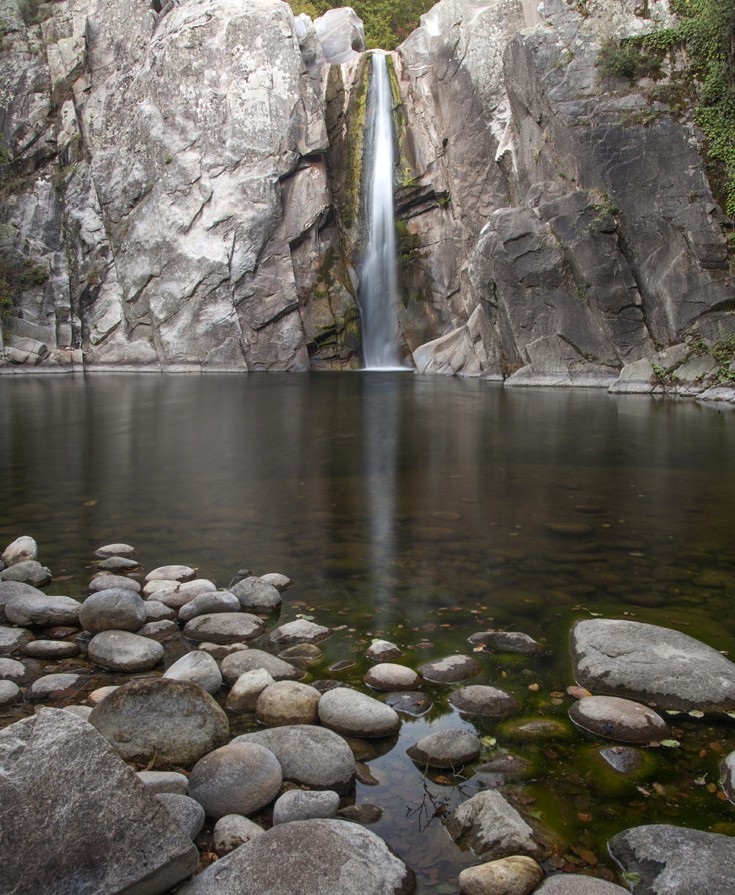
column 421, row 510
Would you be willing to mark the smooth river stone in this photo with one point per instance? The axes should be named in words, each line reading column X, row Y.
column 159, row 612
column 246, row 690
column 232, row 831
column 569, row 884
column 171, row 573
column 515, row 875
column 311, row 857
column 310, row 756
column 12, row 639
column 286, row 703
column 12, row 670
column 22, row 549
column 105, row 582
column 29, row 572
column 256, row 595
column 450, row 670
column 209, row 603
column 236, row 664
column 198, row 668
column 115, row 609
column 124, row 651
column 300, row 631
column 225, row 627
column 240, row 778
column 44, row 611
column 388, row 676
column 9, row 693
column 300, row 805
column 178, row 595
column 383, row 651
column 164, row 781
column 618, row 719
column 168, row 723
column 50, row 649
column 355, row 714
column 187, row 812
column 118, row 564
column 493, row 828
column 55, row 686
column 651, row 664
column 484, row 701
column 451, row 748
column 507, row 641
column 55, row 767
column 275, row 579
column 115, row 550
column 11, row 589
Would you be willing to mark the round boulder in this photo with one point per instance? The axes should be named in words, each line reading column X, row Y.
column 199, row 668
column 170, row 724
column 300, row 631
column 10, row 589
column 277, row 580
column 43, row 610
column 309, row 856
column 116, row 609
column 124, row 651
column 446, row 749
column 256, row 595
column 300, row 805
column 28, row 571
column 450, row 670
column 486, row 702
column 356, row 714
column 236, row 664
column 310, row 756
column 237, row 779
column 618, row 719
column 287, row 702
column 390, row 677
column 224, row 627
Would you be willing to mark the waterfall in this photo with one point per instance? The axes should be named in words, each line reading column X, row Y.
column 378, row 289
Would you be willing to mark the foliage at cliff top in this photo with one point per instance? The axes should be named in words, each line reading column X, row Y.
column 387, row 22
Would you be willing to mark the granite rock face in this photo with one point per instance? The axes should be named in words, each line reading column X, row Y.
column 54, row 766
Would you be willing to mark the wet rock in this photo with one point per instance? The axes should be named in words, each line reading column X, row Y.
column 413, row 703
column 323, row 855
column 569, row 884
column 727, row 771
column 247, row 688
column 50, row 649
column 225, row 627
column 115, row 550
column 106, row 582
column 301, row 652
column 507, row 641
column 209, row 603
column 236, row 779
column 487, row 702
column 161, row 723
column 222, row 650
column 676, row 860
column 450, row 670
column 236, row 664
column 451, row 748
column 96, row 696
column 623, row 759
column 383, row 651
column 652, row 665
column 361, row 814
column 28, row 572
column 9, row 692
column 275, row 579
column 160, row 631
column 388, row 676
column 11, row 589
column 231, row 831
column 536, row 729
column 492, row 828
column 198, row 668
column 300, row 805
column 310, row 756
column 171, row 573
column 515, row 875
column 187, row 813
column 156, row 611
column 55, row 687
column 117, row 564
column 22, row 549
column 508, row 765
column 13, row 639
column 300, row 631
column 164, row 781
column 124, row 651
column 12, row 670
column 256, row 595
column 116, row 609
column 43, row 611
column 54, row 766
column 287, row 702
column 177, row 595
column 618, row 719
column 356, row 714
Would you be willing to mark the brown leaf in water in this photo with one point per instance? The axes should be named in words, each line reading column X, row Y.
column 589, row 857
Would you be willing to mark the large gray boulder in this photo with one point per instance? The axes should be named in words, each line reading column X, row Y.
column 671, row 860
column 310, row 756
column 315, row 857
column 166, row 723
column 651, row 664
column 54, row 766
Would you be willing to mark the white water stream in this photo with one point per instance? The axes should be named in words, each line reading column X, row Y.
column 378, row 290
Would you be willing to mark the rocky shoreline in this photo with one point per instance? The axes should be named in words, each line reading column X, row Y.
column 140, row 786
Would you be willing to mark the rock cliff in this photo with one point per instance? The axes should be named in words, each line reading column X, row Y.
column 181, row 191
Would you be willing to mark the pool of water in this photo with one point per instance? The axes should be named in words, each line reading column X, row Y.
column 420, row 510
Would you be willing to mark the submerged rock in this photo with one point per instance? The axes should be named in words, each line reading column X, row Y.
column 493, row 828
column 446, row 749
column 54, row 766
column 163, row 723
column 451, row 670
column 675, row 860
column 323, row 856
column 412, row 703
column 486, row 702
column 507, row 641
column 651, row 664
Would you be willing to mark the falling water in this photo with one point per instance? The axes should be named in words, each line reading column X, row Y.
column 378, row 291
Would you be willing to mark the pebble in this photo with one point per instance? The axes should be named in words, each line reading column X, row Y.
column 356, row 714
column 124, row 651
column 300, row 631
column 361, row 814
column 391, row 677
column 198, row 668
column 287, row 702
column 50, row 649
column 300, row 805
column 240, row 778
column 233, row 830
column 450, row 748
column 450, row 670
column 225, row 627
column 116, row 609
column 247, row 688
column 484, row 701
